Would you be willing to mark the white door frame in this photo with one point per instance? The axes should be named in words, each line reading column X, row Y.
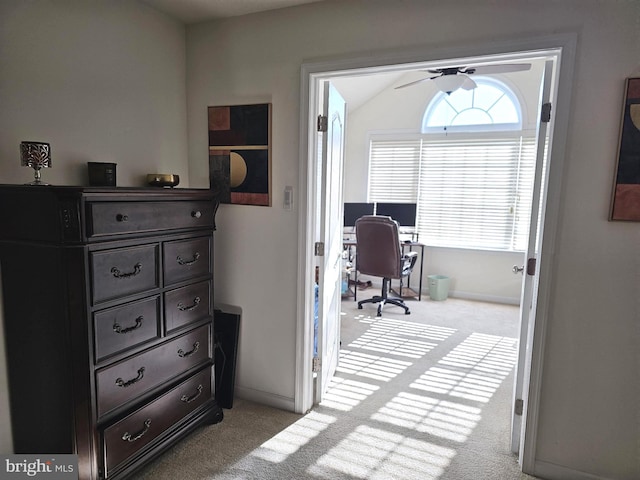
column 312, row 74
column 530, row 282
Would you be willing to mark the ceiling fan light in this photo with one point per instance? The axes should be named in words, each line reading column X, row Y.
column 468, row 84
column 450, row 83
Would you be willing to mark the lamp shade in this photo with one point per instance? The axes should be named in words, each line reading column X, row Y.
column 36, row 155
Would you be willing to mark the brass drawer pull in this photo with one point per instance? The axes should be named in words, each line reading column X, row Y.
column 196, row 214
column 127, row 437
column 189, row 399
column 183, row 354
column 121, row 383
column 122, row 218
column 118, row 329
column 184, row 308
column 182, row 261
column 137, row 268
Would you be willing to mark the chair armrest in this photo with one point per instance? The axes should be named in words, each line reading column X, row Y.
column 408, row 261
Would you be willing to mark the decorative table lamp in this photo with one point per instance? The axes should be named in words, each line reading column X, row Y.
column 36, row 155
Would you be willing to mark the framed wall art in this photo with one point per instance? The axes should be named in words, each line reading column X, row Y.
column 240, row 153
column 625, row 201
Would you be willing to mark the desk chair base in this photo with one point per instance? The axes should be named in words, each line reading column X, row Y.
column 384, row 299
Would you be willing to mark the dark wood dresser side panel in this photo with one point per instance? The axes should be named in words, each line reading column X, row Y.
column 38, row 349
column 29, row 214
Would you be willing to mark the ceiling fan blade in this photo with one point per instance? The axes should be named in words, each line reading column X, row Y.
column 504, row 68
column 414, row 82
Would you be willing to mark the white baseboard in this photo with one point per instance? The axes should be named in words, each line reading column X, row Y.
column 265, row 398
column 551, row 471
column 482, row 297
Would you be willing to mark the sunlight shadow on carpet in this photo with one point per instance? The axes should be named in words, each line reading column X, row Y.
column 290, row 440
column 374, row 453
column 478, row 366
column 344, row 394
column 400, row 337
column 371, row 366
column 428, row 415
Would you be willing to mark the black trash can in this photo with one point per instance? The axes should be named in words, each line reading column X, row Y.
column 226, row 332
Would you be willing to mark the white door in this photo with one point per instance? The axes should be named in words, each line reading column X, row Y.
column 529, row 269
column 330, row 264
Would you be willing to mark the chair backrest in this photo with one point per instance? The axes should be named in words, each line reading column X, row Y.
column 378, row 246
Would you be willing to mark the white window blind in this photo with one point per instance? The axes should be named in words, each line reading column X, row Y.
column 394, row 170
column 471, row 193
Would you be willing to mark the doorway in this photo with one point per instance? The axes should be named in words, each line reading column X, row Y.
column 313, row 77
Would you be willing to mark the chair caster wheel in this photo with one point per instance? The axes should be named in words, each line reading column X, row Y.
column 407, row 312
column 379, row 312
column 359, row 307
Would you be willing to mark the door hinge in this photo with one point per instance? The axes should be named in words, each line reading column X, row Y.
column 531, row 266
column 545, row 115
column 519, row 408
column 318, row 249
column 323, row 123
column 315, row 367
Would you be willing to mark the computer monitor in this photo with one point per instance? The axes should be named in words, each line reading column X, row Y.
column 353, row 211
column 403, row 213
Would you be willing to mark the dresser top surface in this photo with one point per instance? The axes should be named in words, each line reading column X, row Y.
column 73, row 190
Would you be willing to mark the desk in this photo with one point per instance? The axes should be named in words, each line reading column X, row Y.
column 402, row 291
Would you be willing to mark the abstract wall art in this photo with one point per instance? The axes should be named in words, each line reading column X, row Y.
column 625, row 202
column 240, row 153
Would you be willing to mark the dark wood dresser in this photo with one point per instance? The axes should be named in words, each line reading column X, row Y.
column 108, row 312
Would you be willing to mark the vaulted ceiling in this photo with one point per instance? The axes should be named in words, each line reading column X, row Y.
column 356, row 89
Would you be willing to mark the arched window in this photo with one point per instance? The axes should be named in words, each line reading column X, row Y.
column 489, row 106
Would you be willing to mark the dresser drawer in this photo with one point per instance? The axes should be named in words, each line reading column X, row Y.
column 128, row 379
column 186, row 259
column 124, row 271
column 112, row 218
column 123, row 327
column 132, row 433
column 187, row 304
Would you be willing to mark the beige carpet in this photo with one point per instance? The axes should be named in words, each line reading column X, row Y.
column 424, row 396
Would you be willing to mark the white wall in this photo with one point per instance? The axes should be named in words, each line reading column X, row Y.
column 101, row 81
column 255, row 247
column 589, row 406
column 474, row 274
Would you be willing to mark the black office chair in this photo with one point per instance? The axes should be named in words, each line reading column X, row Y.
column 379, row 253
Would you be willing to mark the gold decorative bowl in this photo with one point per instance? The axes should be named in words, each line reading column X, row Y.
column 163, row 180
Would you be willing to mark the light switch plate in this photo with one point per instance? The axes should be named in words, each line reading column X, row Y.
column 288, row 198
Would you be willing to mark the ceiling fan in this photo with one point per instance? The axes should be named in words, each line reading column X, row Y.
column 450, row 79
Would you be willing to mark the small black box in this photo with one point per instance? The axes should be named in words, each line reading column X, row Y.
column 102, row 174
